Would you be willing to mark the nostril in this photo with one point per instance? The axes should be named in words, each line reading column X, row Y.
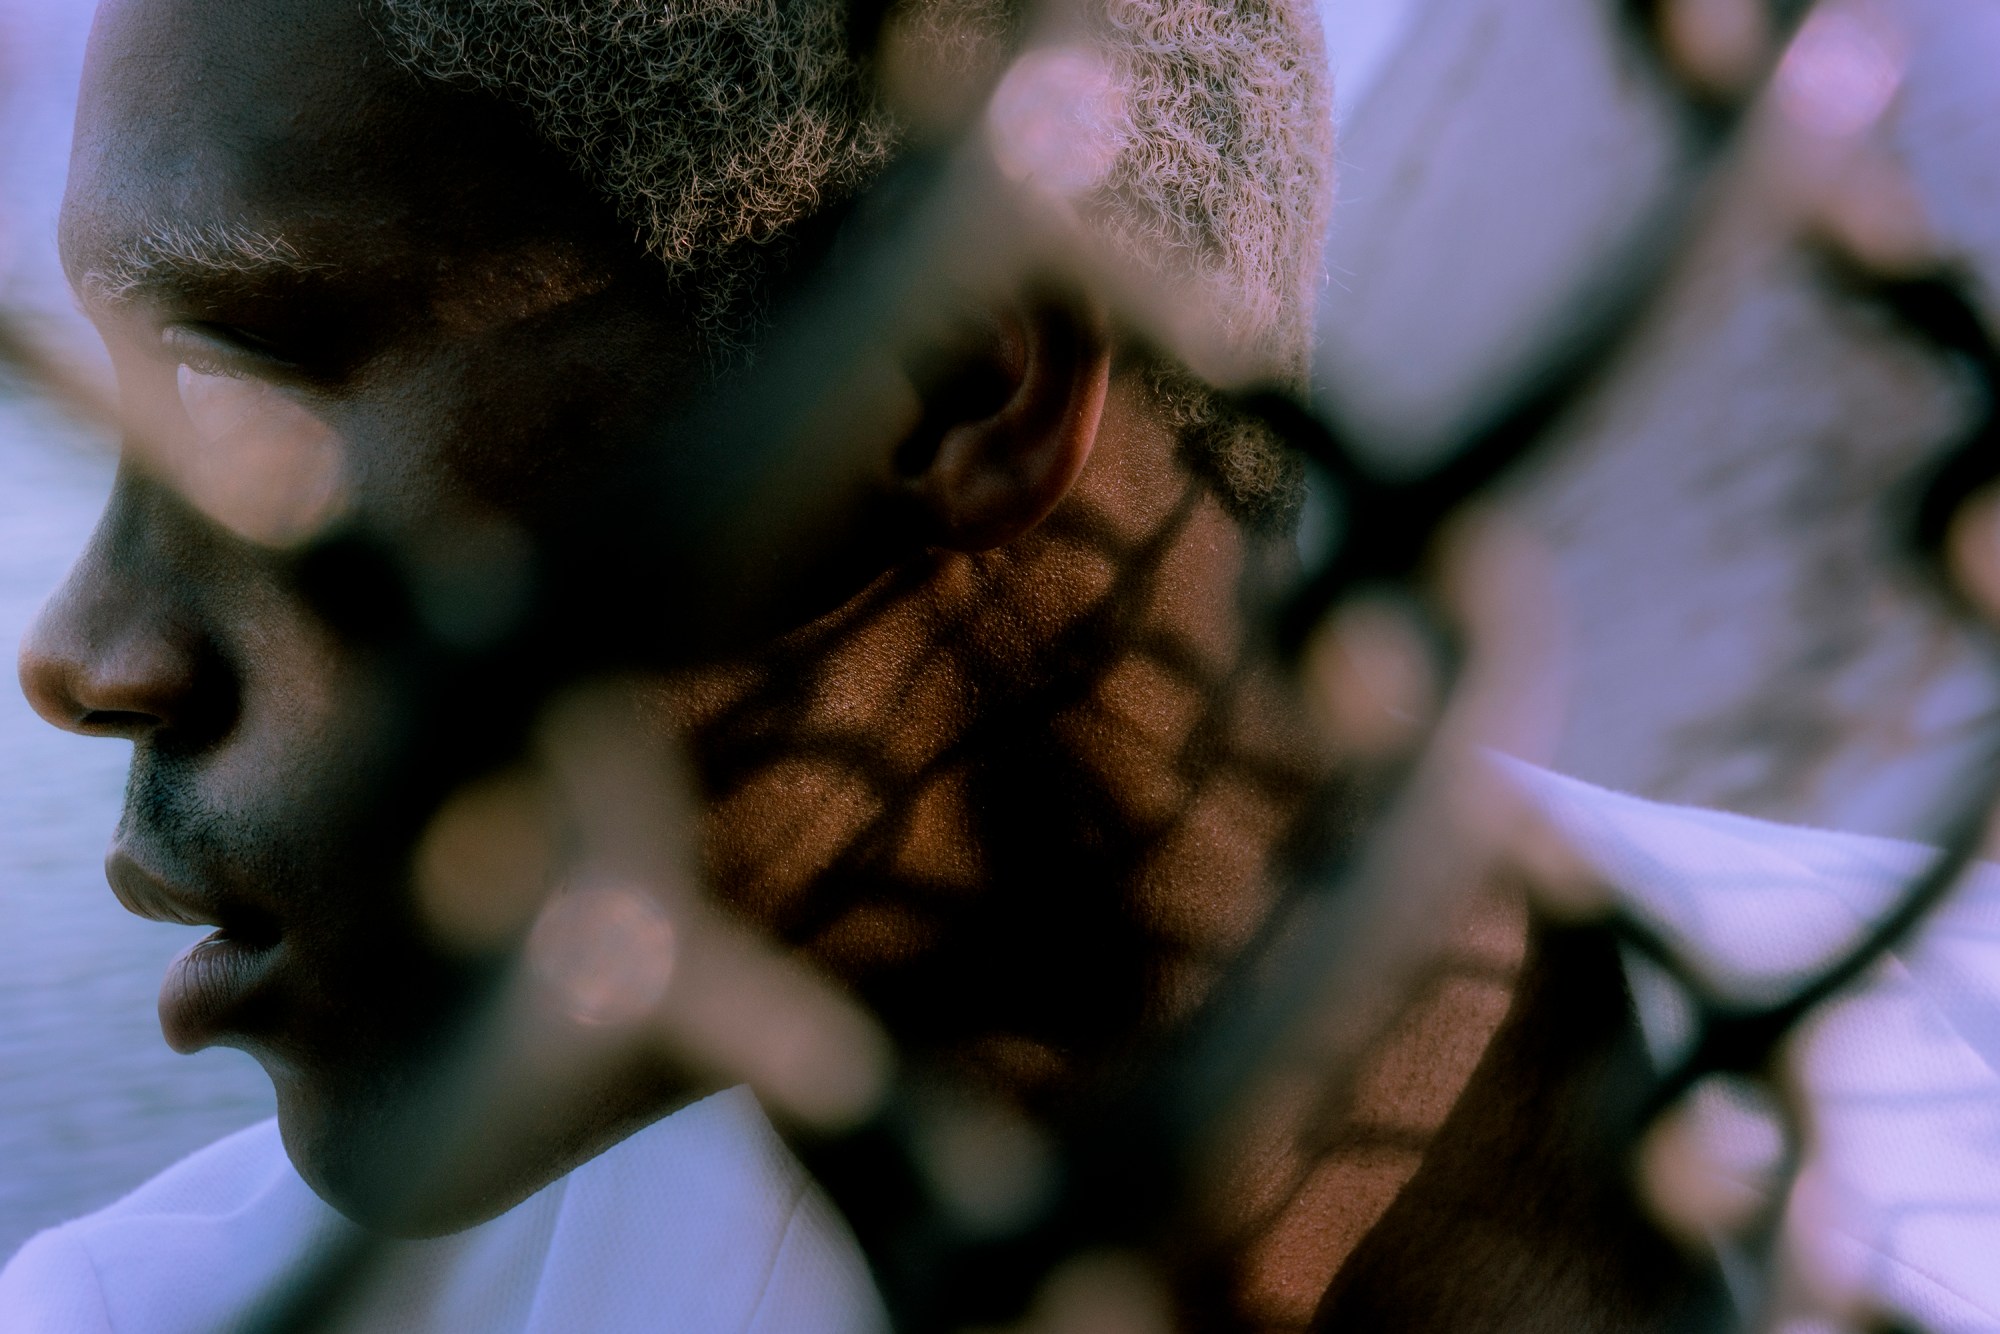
column 126, row 723
column 119, row 650
column 109, row 657
column 129, row 685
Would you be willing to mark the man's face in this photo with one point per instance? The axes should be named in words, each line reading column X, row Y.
column 1013, row 795
column 330, row 294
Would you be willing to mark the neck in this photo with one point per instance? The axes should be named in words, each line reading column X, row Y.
column 1025, row 800
column 1031, row 803
column 1523, row 1212
column 1315, row 1176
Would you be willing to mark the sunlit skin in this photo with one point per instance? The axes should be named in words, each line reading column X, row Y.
column 1026, row 791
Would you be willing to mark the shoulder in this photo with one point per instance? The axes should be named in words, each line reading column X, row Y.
column 180, row 1252
column 1901, row 1072
column 214, row 1181
column 51, row 1287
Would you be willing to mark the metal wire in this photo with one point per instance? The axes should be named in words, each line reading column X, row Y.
column 1125, row 1168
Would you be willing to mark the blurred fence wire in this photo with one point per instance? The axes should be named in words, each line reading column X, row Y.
column 1124, row 1176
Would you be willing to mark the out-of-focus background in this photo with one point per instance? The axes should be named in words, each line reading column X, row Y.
column 1722, row 515
column 1740, row 635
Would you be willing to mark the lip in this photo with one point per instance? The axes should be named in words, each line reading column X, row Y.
column 145, row 894
column 208, row 987
column 209, row 984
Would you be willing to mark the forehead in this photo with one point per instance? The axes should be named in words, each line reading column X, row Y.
column 280, row 128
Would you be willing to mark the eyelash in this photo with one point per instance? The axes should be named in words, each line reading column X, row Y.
column 218, row 350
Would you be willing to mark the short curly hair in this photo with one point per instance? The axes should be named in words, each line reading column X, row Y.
column 719, row 128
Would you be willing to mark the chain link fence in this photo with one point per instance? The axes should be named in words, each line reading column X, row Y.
column 1743, row 124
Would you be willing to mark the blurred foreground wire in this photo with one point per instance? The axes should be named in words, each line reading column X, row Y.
column 970, row 1212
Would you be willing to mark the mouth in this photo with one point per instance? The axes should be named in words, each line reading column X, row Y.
column 210, row 985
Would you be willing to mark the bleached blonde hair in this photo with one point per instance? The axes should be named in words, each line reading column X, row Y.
column 720, row 127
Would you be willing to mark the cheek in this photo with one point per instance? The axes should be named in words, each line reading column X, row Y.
column 516, row 421
column 297, row 698
column 815, row 757
column 255, row 461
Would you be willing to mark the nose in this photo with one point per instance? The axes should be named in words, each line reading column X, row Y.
column 111, row 654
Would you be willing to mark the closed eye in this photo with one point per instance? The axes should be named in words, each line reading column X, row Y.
column 219, row 349
column 256, row 457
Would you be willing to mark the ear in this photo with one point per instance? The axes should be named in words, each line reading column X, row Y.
column 1010, row 415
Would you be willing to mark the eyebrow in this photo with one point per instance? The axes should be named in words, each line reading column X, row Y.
column 170, row 258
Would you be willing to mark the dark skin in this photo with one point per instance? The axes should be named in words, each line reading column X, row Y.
column 248, row 802
column 1025, row 789
column 469, row 321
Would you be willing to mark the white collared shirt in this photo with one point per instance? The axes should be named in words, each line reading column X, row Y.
column 1898, row 1209
column 701, row 1222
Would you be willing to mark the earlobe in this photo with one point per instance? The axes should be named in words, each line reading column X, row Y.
column 1009, row 426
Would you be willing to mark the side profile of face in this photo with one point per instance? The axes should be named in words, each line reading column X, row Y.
column 1018, row 792
column 282, row 237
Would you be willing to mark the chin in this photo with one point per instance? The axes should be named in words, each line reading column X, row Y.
column 365, row 1146
column 410, row 1148
column 329, row 1145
